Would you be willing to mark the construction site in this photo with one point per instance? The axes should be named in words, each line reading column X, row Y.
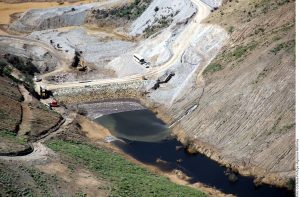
column 217, row 77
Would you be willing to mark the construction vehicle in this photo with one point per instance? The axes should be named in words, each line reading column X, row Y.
column 53, row 103
column 81, row 66
column 43, row 92
column 139, row 59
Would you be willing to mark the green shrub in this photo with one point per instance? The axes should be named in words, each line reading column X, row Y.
column 241, row 50
column 284, row 45
column 231, row 29
column 211, row 68
column 7, row 71
column 131, row 11
column 291, row 184
column 24, row 65
column 160, row 24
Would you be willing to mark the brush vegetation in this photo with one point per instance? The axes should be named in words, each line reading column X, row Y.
column 127, row 178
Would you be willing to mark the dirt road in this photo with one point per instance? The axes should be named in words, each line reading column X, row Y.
column 26, row 112
column 179, row 46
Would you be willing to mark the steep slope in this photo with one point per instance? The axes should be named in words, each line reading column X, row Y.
column 10, row 108
column 246, row 115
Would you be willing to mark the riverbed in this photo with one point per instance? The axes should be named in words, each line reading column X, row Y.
column 148, row 139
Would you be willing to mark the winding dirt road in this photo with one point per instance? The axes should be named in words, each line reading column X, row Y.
column 179, row 46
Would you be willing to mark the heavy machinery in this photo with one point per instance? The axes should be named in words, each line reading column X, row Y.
column 43, row 92
column 139, row 58
column 81, row 66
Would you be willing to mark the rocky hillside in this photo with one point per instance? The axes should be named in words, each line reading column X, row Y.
column 246, row 115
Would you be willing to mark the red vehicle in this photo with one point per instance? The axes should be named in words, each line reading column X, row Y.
column 53, row 103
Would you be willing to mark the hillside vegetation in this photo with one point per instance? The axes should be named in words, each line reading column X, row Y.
column 127, row 178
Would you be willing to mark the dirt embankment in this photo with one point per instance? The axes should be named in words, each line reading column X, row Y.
column 245, row 118
column 10, row 10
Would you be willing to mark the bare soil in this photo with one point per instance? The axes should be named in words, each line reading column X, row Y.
column 9, row 8
column 25, row 126
column 78, row 178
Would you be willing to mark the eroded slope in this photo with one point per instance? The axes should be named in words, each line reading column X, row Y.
column 246, row 115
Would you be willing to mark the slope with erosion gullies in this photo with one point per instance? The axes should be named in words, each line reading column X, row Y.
column 246, row 115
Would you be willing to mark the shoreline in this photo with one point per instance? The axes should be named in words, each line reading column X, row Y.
column 89, row 127
column 260, row 176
